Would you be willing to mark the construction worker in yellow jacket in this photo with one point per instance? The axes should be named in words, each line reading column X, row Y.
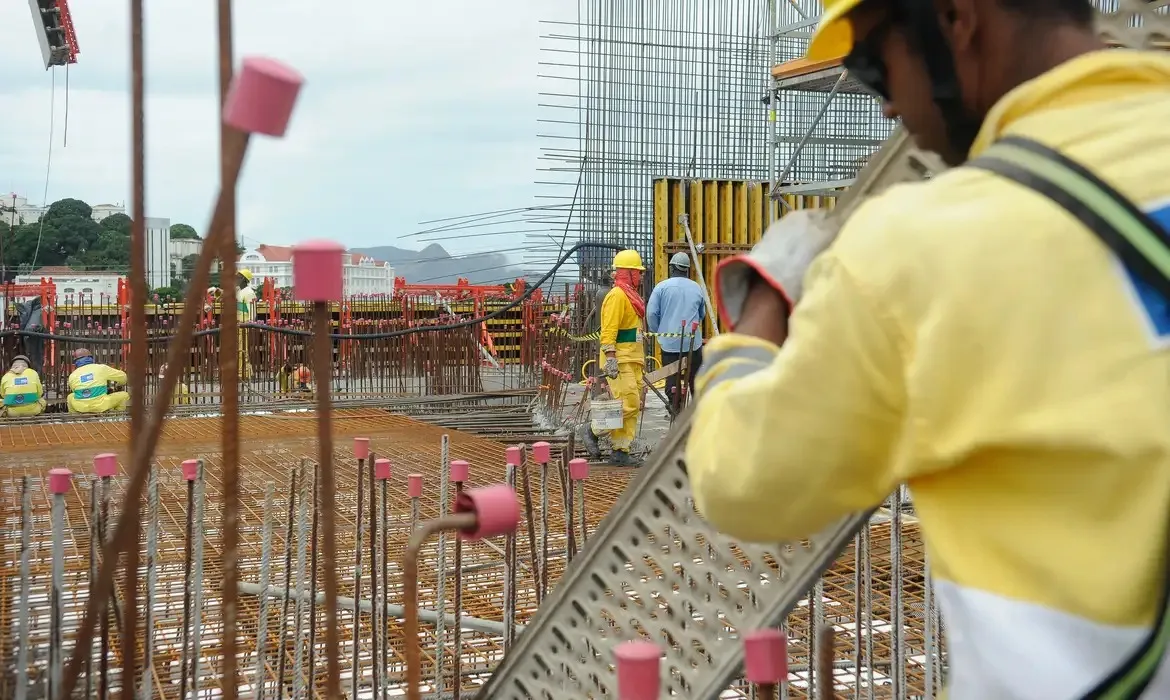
column 622, row 358
column 21, row 390
column 245, row 313
column 969, row 337
column 90, row 383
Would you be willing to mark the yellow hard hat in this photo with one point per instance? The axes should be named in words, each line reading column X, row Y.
column 627, row 260
column 245, row 273
column 833, row 38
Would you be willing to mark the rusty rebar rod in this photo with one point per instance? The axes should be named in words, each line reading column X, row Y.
column 454, row 521
column 323, row 364
column 229, row 369
column 143, row 446
column 137, row 368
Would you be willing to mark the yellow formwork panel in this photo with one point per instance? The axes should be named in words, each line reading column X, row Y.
column 727, row 217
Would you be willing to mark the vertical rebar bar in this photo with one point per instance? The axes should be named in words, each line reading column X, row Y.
column 441, row 569
column 314, row 542
column 229, row 368
column 323, row 364
column 510, row 574
column 147, row 690
column 357, row 577
column 282, row 653
column 898, row 643
column 260, row 676
column 26, row 528
column 197, row 625
column 57, row 593
column 385, row 533
column 185, row 661
column 374, row 609
column 298, row 688
column 137, row 365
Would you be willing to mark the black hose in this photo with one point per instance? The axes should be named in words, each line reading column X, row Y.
column 164, row 338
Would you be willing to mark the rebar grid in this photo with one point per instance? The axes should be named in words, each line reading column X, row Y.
column 272, row 448
column 413, row 447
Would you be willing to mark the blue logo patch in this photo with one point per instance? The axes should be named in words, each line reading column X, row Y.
column 87, row 377
column 1156, row 307
column 20, row 381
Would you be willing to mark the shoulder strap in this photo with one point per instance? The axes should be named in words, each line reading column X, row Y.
column 1144, row 247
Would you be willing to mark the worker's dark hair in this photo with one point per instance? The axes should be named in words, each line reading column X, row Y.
column 1079, row 12
column 679, row 271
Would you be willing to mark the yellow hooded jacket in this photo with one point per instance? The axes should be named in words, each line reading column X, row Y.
column 22, row 393
column 967, row 336
column 621, row 329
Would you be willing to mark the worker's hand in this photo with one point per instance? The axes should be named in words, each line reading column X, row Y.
column 611, row 366
column 778, row 262
column 765, row 313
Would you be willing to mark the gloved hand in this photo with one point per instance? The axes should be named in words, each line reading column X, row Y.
column 781, row 258
column 611, row 367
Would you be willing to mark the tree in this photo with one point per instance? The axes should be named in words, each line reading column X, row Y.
column 182, row 232
column 118, row 222
column 65, row 232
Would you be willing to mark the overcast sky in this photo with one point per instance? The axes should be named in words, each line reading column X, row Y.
column 411, row 111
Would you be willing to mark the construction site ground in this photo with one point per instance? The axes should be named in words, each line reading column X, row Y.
column 272, row 447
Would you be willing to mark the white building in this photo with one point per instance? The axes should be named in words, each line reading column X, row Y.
column 158, row 252
column 77, row 287
column 363, row 275
column 19, row 209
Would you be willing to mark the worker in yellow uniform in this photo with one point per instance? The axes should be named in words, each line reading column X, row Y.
column 21, row 390
column 182, row 393
column 245, row 313
column 90, row 386
column 622, row 357
column 974, row 337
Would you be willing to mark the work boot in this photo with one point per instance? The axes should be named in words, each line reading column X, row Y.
column 622, row 458
column 589, row 440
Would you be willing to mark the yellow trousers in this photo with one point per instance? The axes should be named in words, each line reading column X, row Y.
column 245, row 365
column 627, row 386
column 107, row 403
column 27, row 411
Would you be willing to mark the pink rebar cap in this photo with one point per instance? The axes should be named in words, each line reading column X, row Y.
column 496, row 509
column 190, row 469
column 541, row 452
column 578, row 469
column 382, row 468
column 105, row 464
column 59, row 480
column 318, row 271
column 637, row 670
column 514, row 455
column 361, row 448
column 414, row 485
column 261, row 97
column 460, row 470
column 765, row 656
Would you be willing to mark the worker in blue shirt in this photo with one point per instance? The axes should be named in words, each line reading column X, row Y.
column 678, row 302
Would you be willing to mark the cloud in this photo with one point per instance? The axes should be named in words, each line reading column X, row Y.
column 411, row 111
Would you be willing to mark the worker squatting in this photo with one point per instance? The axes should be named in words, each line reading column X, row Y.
column 995, row 337
column 95, row 387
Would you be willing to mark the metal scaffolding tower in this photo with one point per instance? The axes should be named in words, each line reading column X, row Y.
column 638, row 89
column 643, row 89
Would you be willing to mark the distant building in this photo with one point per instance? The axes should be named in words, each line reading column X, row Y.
column 363, row 274
column 158, row 252
column 21, row 210
column 75, row 287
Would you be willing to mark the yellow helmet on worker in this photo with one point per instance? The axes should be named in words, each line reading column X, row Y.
column 246, row 274
column 627, row 260
column 833, row 38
